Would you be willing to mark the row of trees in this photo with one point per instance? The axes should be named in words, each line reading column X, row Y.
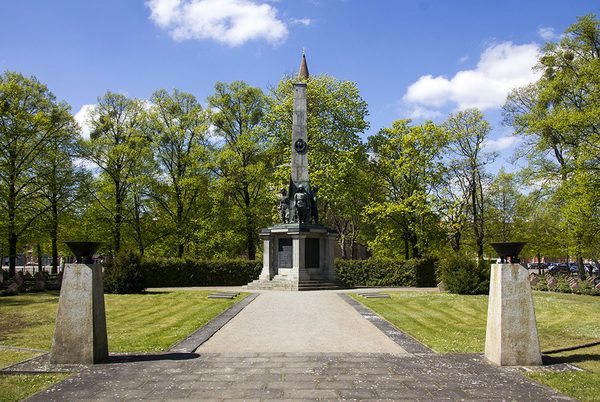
column 167, row 176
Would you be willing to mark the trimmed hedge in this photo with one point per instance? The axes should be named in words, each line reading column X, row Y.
column 384, row 272
column 179, row 272
column 124, row 274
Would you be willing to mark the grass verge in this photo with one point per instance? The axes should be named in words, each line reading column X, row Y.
column 150, row 322
column 449, row 323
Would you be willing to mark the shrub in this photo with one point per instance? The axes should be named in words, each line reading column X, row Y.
column 464, row 276
column 124, row 273
column 178, row 272
column 386, row 272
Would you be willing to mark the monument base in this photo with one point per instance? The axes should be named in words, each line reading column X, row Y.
column 298, row 256
column 80, row 332
column 511, row 335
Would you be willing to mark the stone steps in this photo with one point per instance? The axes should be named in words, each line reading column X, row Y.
column 281, row 284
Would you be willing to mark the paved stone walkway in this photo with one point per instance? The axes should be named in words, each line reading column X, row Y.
column 411, row 372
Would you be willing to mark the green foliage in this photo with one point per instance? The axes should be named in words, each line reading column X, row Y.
column 178, row 127
column 120, row 150
column 387, row 272
column 558, row 119
column 32, row 125
column 465, row 276
column 124, row 274
column 407, row 167
column 178, row 272
column 241, row 163
column 467, row 178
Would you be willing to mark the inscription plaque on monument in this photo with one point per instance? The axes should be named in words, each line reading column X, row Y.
column 284, row 252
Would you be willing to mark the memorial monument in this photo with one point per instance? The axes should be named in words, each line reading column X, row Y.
column 511, row 334
column 298, row 253
column 80, row 333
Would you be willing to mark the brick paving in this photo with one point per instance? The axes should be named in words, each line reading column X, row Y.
column 306, row 376
column 180, row 374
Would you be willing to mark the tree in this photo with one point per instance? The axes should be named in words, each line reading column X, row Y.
column 178, row 127
column 407, row 163
column 336, row 116
column 62, row 186
column 119, row 149
column 468, row 130
column 506, row 202
column 558, row 116
column 348, row 188
column 30, row 121
column 543, row 227
column 240, row 162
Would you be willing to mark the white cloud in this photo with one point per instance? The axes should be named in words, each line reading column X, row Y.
column 83, row 119
column 303, row 21
column 232, row 22
column 548, row 34
column 502, row 143
column 419, row 112
column 501, row 67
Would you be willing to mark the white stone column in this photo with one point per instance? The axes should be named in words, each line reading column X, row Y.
column 268, row 254
column 511, row 335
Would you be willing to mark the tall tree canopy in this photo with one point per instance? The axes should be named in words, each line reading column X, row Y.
column 559, row 117
column 31, row 121
column 240, row 163
column 407, row 166
column 119, row 149
column 177, row 126
column 467, row 160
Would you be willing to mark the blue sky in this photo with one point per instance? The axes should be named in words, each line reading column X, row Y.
column 419, row 59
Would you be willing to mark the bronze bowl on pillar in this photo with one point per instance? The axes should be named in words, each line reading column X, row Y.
column 84, row 250
column 509, row 250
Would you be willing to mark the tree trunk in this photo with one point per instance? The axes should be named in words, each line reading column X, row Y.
column 54, row 256
column 581, row 268
column 12, row 254
column 343, row 246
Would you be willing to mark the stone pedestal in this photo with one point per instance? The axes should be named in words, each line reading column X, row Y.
column 80, row 332
column 297, row 255
column 511, row 335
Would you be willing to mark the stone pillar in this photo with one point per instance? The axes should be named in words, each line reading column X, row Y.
column 299, row 172
column 268, row 254
column 80, row 332
column 299, row 271
column 511, row 335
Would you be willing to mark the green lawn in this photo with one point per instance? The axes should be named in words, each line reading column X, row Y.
column 449, row 323
column 150, row 322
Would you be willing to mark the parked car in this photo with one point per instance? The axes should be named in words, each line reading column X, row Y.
column 559, row 268
column 534, row 265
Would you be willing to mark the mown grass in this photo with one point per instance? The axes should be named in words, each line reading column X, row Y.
column 449, row 323
column 150, row 322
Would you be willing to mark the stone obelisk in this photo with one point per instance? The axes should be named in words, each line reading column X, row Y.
column 299, row 252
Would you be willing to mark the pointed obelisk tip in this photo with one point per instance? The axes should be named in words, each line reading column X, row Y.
column 303, row 73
